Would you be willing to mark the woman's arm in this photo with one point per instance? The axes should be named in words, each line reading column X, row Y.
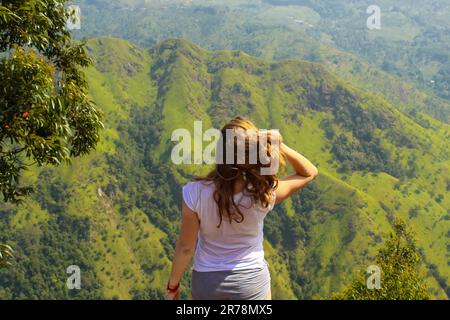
column 305, row 173
column 184, row 249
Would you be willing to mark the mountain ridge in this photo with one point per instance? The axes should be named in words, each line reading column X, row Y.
column 314, row 242
column 269, row 31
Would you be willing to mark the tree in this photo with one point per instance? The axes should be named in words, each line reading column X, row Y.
column 46, row 116
column 399, row 262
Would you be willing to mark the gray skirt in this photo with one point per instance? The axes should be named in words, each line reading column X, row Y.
column 250, row 284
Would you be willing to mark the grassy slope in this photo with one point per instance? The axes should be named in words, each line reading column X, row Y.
column 184, row 83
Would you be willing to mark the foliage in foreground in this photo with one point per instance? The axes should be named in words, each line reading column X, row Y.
column 46, row 116
column 399, row 262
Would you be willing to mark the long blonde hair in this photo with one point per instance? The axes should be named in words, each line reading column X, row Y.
column 259, row 187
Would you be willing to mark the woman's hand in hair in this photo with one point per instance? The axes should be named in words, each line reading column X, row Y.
column 305, row 173
column 275, row 134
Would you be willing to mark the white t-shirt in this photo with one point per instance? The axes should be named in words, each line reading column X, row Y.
column 234, row 246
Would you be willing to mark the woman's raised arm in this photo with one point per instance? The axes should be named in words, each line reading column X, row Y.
column 305, row 173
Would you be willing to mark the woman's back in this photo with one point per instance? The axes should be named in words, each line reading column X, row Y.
column 230, row 246
column 225, row 226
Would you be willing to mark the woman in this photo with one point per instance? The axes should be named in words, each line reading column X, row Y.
column 225, row 211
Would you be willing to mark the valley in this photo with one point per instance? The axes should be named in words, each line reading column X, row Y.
column 115, row 213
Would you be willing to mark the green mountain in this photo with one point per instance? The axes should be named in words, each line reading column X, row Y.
column 115, row 213
column 410, row 51
column 412, row 42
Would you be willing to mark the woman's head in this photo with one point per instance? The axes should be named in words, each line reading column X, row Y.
column 245, row 154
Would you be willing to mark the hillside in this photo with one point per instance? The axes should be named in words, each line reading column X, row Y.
column 115, row 213
column 412, row 42
column 410, row 51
